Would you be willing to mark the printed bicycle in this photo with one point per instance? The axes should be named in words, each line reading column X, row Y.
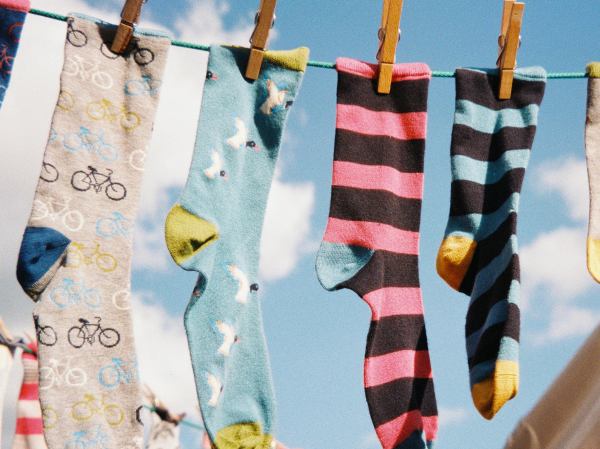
column 54, row 209
column 49, row 172
column 121, row 299
column 66, row 101
column 46, row 335
column 14, row 31
column 87, row 331
column 6, row 60
column 118, row 372
column 91, row 142
column 146, row 85
column 106, row 110
column 141, row 56
column 78, row 66
column 61, row 373
column 85, row 409
column 79, row 254
column 84, row 439
column 84, row 180
column 50, row 417
column 114, row 226
column 71, row 292
column 137, row 159
column 77, row 38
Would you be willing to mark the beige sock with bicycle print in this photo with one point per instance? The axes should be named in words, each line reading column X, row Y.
column 75, row 254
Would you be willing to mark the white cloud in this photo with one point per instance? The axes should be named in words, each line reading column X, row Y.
column 553, row 266
column 450, row 416
column 157, row 332
column 566, row 177
column 567, row 321
column 287, row 228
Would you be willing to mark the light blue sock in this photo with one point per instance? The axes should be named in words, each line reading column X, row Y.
column 215, row 229
column 12, row 17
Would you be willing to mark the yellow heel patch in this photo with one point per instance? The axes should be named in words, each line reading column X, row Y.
column 453, row 259
column 593, row 258
column 289, row 59
column 243, row 436
column 491, row 394
column 186, row 234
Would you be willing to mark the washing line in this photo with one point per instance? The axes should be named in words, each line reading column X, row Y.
column 318, row 64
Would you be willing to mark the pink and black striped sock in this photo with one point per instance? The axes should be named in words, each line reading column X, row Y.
column 371, row 244
column 29, row 433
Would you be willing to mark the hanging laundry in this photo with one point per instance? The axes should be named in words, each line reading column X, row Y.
column 371, row 243
column 12, row 19
column 29, row 433
column 76, row 252
column 164, row 426
column 215, row 229
column 6, row 362
column 491, row 142
column 592, row 154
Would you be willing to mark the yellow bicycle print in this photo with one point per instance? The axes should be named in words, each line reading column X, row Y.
column 91, row 405
column 106, row 110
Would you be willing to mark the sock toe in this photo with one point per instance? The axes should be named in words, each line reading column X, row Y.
column 243, row 436
column 490, row 395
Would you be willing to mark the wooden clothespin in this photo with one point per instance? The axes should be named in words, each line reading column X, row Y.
column 129, row 17
column 265, row 19
column 508, row 44
column 389, row 34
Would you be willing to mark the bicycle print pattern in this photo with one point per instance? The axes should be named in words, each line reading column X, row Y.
column 87, row 191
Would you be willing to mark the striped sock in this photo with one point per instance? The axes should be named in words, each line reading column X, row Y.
column 592, row 154
column 29, row 433
column 491, row 141
column 371, row 243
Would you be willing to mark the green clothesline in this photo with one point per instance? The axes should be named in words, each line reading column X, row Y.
column 320, row 64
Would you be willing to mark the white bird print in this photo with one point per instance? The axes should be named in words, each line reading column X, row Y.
column 275, row 98
column 229, row 337
column 243, row 284
column 216, row 169
column 241, row 136
column 215, row 387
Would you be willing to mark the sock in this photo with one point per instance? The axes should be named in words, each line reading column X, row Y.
column 29, row 433
column 215, row 229
column 371, row 243
column 12, row 18
column 75, row 254
column 592, row 154
column 491, row 142
column 6, row 362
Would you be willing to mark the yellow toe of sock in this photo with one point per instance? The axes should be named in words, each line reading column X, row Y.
column 491, row 394
column 453, row 259
column 243, row 436
column 593, row 258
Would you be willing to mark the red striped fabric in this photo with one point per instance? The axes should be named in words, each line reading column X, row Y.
column 399, row 125
column 396, row 365
column 372, row 235
column 377, row 177
column 394, row 432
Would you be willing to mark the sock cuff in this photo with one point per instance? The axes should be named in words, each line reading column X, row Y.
column 295, row 59
column 534, row 73
column 404, row 71
column 17, row 5
column 138, row 32
column 593, row 69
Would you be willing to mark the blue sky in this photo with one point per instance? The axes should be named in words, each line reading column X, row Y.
column 316, row 338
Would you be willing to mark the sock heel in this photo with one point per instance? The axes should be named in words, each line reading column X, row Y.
column 337, row 263
column 42, row 252
column 454, row 258
column 186, row 235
